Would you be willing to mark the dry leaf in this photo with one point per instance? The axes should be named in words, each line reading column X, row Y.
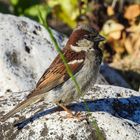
column 128, row 45
column 134, row 28
column 115, row 35
column 135, row 34
column 137, row 45
column 113, row 29
column 117, row 46
column 110, row 11
column 132, row 11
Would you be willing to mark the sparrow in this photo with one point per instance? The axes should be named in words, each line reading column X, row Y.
column 55, row 86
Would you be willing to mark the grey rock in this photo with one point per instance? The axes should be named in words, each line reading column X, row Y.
column 113, row 77
column 115, row 109
column 26, row 51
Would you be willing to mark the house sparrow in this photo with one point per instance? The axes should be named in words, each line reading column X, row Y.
column 84, row 58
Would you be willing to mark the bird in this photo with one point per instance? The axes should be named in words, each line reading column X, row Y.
column 83, row 56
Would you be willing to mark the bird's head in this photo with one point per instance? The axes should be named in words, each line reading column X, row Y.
column 84, row 38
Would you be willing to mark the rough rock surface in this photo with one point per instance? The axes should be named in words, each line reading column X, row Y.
column 115, row 109
column 25, row 52
column 113, row 77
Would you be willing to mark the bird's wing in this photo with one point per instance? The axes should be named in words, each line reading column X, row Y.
column 53, row 77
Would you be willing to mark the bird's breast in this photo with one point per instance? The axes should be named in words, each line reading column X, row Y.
column 67, row 92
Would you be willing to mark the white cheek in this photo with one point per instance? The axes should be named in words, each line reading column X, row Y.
column 83, row 45
column 76, row 48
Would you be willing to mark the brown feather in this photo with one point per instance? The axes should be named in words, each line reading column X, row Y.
column 53, row 77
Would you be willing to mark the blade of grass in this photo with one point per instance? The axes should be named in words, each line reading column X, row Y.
column 69, row 71
column 60, row 52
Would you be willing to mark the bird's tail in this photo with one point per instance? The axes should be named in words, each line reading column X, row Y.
column 21, row 106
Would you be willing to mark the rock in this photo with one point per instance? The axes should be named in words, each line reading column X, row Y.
column 115, row 109
column 113, row 77
column 101, row 80
column 26, row 51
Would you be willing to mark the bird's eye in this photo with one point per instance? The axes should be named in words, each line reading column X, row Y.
column 89, row 36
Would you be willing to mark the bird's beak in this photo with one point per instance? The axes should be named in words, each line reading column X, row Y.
column 98, row 38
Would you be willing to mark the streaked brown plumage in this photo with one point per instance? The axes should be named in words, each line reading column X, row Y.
column 84, row 58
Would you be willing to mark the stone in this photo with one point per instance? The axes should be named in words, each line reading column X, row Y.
column 26, row 52
column 115, row 109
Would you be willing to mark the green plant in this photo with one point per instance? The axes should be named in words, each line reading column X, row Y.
column 66, row 10
column 28, row 8
column 99, row 134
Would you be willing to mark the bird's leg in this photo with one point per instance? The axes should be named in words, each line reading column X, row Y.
column 70, row 114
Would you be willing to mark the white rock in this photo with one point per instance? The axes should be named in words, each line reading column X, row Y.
column 113, row 77
column 26, row 51
column 115, row 109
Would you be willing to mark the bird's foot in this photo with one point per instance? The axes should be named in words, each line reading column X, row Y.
column 77, row 115
column 80, row 116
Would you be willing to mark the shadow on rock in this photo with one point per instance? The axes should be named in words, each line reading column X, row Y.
column 126, row 108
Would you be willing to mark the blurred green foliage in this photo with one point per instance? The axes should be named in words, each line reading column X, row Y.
column 29, row 8
column 4, row 8
column 66, row 11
